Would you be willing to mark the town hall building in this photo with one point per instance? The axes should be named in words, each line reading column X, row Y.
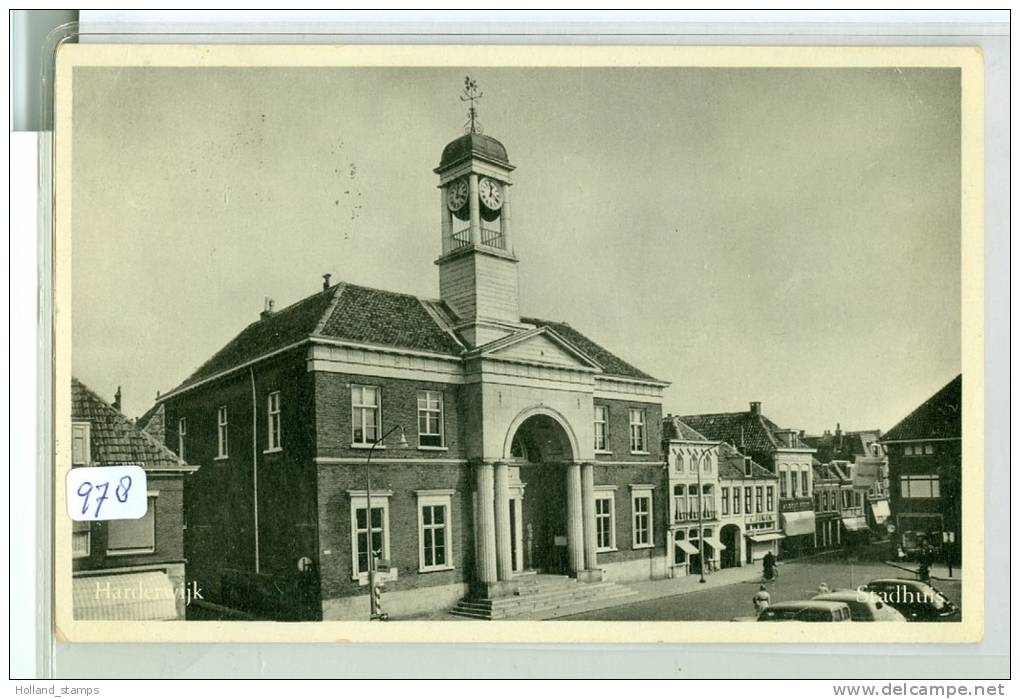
column 470, row 450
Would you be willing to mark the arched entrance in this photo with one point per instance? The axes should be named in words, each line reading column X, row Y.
column 538, row 448
column 729, row 536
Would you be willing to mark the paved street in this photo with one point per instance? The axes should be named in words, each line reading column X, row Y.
column 797, row 580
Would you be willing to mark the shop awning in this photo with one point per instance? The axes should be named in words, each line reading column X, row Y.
column 687, row 547
column 798, row 523
column 880, row 510
column 715, row 543
column 763, row 538
column 147, row 596
column 855, row 524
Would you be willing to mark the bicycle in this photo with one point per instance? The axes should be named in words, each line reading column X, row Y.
column 766, row 578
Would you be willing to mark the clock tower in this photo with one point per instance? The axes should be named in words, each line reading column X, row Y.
column 477, row 268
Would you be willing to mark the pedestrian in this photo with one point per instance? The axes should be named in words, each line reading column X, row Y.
column 823, row 589
column 761, row 600
column 768, row 564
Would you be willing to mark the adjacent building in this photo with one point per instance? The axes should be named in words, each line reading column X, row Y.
column 531, row 448
column 783, row 454
column 128, row 569
column 924, row 451
column 865, row 460
column 725, row 506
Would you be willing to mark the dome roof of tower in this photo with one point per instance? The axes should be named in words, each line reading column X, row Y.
column 474, row 145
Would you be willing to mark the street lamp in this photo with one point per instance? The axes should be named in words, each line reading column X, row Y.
column 402, row 444
column 701, row 511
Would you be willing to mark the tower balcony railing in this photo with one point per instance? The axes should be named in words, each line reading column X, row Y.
column 462, row 238
column 492, row 239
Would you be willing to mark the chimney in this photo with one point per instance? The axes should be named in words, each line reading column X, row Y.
column 802, row 434
column 116, row 400
column 268, row 311
column 756, row 407
column 325, row 281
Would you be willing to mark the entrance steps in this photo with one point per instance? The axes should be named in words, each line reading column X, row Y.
column 541, row 596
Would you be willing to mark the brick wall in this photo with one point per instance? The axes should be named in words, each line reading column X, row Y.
column 623, row 477
column 168, row 525
column 619, row 431
column 219, row 498
column 333, row 415
column 402, row 480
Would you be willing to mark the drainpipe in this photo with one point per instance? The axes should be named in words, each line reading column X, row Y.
column 255, row 462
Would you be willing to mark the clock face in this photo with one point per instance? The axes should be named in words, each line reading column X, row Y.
column 490, row 193
column 457, row 195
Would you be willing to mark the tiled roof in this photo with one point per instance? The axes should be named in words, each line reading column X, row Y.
column 282, row 328
column 845, row 445
column 731, row 466
column 748, row 431
column 153, row 422
column 675, row 428
column 113, row 439
column 386, row 318
column 609, row 362
column 936, row 418
column 373, row 316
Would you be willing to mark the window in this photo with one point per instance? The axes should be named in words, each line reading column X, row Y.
column 782, row 484
column 804, row 489
column 182, row 433
column 361, row 529
column 430, row 419
column 601, row 428
column 273, row 421
column 725, row 501
column 80, row 446
column 929, row 449
column 924, row 486
column 605, row 522
column 81, row 539
column 736, row 501
column 641, row 501
column 365, row 414
column 434, row 530
column 221, row 431
column 747, row 501
column 770, row 498
column 637, row 430
column 793, row 483
column 825, row 500
column 133, row 536
column 758, row 492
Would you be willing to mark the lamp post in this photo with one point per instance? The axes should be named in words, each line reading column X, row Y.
column 402, row 444
column 701, row 511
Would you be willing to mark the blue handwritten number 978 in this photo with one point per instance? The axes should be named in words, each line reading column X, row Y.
column 86, row 488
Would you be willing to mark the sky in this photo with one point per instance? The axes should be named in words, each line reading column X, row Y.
column 789, row 236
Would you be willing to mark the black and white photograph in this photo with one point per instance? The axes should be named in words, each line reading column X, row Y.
column 625, row 343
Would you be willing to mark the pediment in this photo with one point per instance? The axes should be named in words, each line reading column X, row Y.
column 539, row 346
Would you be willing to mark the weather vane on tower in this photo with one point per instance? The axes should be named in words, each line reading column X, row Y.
column 471, row 95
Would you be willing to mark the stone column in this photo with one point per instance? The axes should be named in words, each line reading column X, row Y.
column 504, row 220
column 575, row 525
column 486, row 534
column 446, row 217
column 475, row 216
column 588, row 515
column 504, row 551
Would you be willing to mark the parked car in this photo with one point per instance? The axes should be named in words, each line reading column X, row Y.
column 915, row 600
column 863, row 606
column 806, row 610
